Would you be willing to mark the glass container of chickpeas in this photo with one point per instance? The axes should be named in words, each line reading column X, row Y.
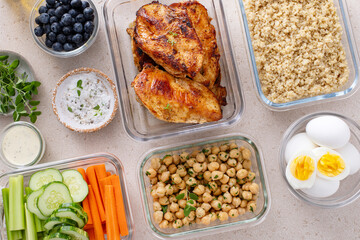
column 204, row 187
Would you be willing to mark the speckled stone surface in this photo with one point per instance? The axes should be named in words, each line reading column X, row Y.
column 289, row 218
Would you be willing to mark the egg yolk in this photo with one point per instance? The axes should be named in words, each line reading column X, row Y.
column 302, row 167
column 331, row 165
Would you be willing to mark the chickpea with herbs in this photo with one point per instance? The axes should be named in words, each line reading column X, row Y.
column 202, row 186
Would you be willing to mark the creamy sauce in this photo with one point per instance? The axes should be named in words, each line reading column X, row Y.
column 21, row 145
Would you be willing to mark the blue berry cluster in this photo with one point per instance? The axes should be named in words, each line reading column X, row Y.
column 68, row 24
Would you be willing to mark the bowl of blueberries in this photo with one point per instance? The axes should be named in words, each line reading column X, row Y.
column 64, row 28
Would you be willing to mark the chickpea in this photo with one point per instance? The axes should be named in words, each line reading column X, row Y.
column 161, row 184
column 224, row 148
column 169, row 216
column 226, row 207
column 200, row 200
column 176, row 159
column 169, row 189
column 232, row 162
column 247, row 195
column 213, row 216
column 184, row 156
column 160, row 192
column 194, row 153
column 156, row 163
column 156, row 206
column 223, row 156
column 251, row 176
column 191, row 162
column 224, row 179
column 200, row 157
column 215, row 150
column 204, row 166
column 206, row 220
column 175, row 188
column 213, row 166
column 182, row 203
column 223, row 168
column 223, row 216
column 213, row 186
column 164, row 224
column 186, row 221
column 177, row 224
column 192, row 216
column 164, row 200
column 206, row 206
column 158, row 216
column 251, row 206
column 231, row 172
column 232, row 182
column 227, row 197
column 172, row 168
column 165, row 176
column 153, row 181
column 246, row 164
column 207, row 151
column 235, row 191
column 198, row 167
column 199, row 190
column 162, row 169
column 191, row 182
column 181, row 171
column 168, row 160
column 216, row 204
column 246, row 153
column 236, row 201
column 233, row 213
column 241, row 174
column 182, row 185
column 225, row 188
column 207, row 176
column 241, row 181
column 207, row 197
column 216, row 175
column 246, row 186
column 172, row 199
column 200, row 212
column 192, row 203
column 198, row 220
column 176, row 178
column 212, row 158
column 243, row 203
column 233, row 146
column 153, row 194
column 151, row 173
column 241, row 211
column 191, row 173
column 220, row 199
column 217, row 192
column 238, row 166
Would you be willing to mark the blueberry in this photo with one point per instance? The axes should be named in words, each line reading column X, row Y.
column 78, row 27
column 44, row 18
column 51, row 36
column 80, row 18
column 76, row 3
column 37, row 20
column 48, row 43
column 47, row 28
column 86, row 36
column 89, row 27
column 73, row 21
column 66, row 19
column 57, row 47
column 68, row 47
column 65, row 1
column 88, row 12
column 43, row 9
column 53, row 19
column 67, row 30
column 55, row 27
column 77, row 38
column 85, row 4
column 57, row 4
column 51, row 2
column 61, row 38
column 39, row 31
column 51, row 11
column 73, row 12
column 59, row 11
column 69, row 38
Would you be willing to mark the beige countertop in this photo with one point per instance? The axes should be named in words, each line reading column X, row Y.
column 288, row 217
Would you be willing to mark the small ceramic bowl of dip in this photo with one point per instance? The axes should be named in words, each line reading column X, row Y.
column 21, row 145
column 85, row 100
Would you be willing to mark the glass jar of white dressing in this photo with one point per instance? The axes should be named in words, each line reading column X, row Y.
column 21, row 145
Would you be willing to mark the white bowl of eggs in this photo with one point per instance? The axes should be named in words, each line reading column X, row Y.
column 320, row 159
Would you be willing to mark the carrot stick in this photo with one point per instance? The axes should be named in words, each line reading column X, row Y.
column 108, row 174
column 85, row 203
column 90, row 172
column 82, row 171
column 98, row 231
column 91, row 234
column 102, row 183
column 112, row 226
column 89, row 226
column 120, row 205
column 100, row 171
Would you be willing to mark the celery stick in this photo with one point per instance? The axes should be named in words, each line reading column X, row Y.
column 5, row 195
column 17, row 234
column 30, row 230
column 39, row 224
column 16, row 203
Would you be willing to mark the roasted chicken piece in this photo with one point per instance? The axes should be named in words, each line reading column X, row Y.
column 167, row 36
column 177, row 100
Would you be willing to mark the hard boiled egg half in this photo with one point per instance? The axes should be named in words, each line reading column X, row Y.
column 301, row 170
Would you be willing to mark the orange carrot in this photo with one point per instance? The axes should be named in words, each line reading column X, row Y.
column 98, row 231
column 82, row 171
column 108, row 174
column 120, row 205
column 91, row 234
column 100, row 171
column 85, row 203
column 102, row 183
column 90, row 172
column 89, row 226
column 112, row 226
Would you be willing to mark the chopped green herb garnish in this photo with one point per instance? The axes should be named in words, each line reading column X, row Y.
column 167, row 155
column 79, row 92
column 172, row 42
column 70, row 109
column 172, row 33
column 219, row 205
column 79, row 84
column 251, row 209
column 164, row 208
column 97, row 107
column 147, row 173
column 180, row 196
column 193, row 196
column 216, row 176
column 167, row 107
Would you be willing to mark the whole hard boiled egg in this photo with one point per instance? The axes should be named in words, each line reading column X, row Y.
column 330, row 165
column 298, row 143
column 328, row 131
column 322, row 188
column 300, row 170
column 351, row 156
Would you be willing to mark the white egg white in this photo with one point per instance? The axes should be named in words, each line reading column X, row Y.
column 319, row 152
column 351, row 157
column 322, row 188
column 296, row 183
column 298, row 143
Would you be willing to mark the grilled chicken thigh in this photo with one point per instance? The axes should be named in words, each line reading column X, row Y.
column 177, row 100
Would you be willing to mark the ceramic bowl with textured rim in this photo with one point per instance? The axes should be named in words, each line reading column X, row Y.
column 61, row 111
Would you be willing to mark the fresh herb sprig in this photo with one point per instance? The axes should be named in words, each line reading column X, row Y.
column 16, row 93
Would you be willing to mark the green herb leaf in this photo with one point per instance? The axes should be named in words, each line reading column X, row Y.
column 79, row 84
column 167, row 155
column 70, row 109
column 172, row 42
column 34, row 103
column 78, row 93
column 180, row 196
column 251, row 209
column 219, row 205
column 147, row 173
column 164, row 208
column 97, row 107
column 167, row 107
column 172, row 33
column 193, row 196
column 15, row 64
column 3, row 57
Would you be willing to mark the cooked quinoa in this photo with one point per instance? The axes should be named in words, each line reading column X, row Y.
column 297, row 46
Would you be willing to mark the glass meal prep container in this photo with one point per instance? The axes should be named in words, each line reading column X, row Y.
column 139, row 123
column 349, row 189
column 352, row 57
column 112, row 165
column 196, row 230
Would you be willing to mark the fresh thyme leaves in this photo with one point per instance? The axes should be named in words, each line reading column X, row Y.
column 167, row 107
column 172, row 33
column 79, row 84
column 97, row 107
column 16, row 93
column 172, row 42
column 70, row 109
column 79, row 92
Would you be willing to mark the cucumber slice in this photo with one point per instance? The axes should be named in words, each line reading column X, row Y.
column 71, row 214
column 55, row 194
column 31, row 203
column 44, row 177
column 75, row 233
column 53, row 221
column 57, row 236
column 76, row 184
column 77, row 207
